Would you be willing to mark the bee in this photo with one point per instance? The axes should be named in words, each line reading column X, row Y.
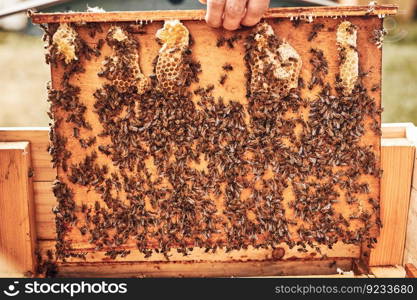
column 227, row 67
column 317, row 27
column 76, row 132
column 222, row 79
column 221, row 41
column 30, row 172
column 320, row 68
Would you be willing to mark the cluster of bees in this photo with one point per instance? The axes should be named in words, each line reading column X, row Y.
column 173, row 159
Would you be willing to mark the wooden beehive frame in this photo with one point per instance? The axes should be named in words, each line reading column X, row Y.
column 306, row 14
column 198, row 15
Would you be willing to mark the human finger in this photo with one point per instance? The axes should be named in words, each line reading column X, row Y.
column 214, row 15
column 233, row 14
column 254, row 12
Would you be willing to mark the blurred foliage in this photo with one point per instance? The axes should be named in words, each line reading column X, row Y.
column 23, row 78
column 399, row 90
column 401, row 33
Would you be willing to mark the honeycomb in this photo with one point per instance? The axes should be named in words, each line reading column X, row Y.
column 64, row 40
column 118, row 34
column 275, row 66
column 123, row 68
column 170, row 66
column 349, row 59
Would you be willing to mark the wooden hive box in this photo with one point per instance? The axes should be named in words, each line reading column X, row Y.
column 247, row 153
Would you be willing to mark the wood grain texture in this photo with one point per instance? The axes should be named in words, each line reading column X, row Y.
column 395, row 130
column 406, row 7
column 44, row 203
column 205, row 269
column 397, row 161
column 17, row 228
column 410, row 270
column 410, row 253
column 388, row 272
column 39, row 141
column 281, row 12
column 199, row 268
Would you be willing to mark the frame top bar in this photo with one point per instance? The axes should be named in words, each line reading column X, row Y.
column 161, row 15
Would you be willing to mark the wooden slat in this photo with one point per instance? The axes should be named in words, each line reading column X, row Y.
column 360, row 267
column 205, row 269
column 388, row 272
column 411, row 271
column 397, row 162
column 412, row 136
column 39, row 140
column 281, row 12
column 339, row 250
column 398, row 130
column 394, row 130
column 199, row 269
column 406, row 8
column 17, row 222
column 44, row 202
column 410, row 253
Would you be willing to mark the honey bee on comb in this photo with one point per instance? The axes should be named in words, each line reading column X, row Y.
column 123, row 68
column 170, row 67
column 349, row 64
column 274, row 59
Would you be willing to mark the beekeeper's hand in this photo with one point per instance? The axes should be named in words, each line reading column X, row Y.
column 232, row 13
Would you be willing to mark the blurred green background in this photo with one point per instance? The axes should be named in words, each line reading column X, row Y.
column 24, row 74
